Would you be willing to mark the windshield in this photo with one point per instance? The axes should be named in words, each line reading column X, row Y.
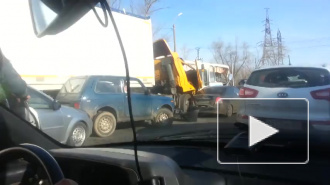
column 83, row 70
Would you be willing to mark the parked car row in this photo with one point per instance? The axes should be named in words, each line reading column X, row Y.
column 96, row 104
column 87, row 104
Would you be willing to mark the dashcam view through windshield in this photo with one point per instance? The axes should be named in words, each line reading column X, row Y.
column 251, row 79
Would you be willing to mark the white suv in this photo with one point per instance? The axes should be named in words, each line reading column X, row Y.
column 312, row 83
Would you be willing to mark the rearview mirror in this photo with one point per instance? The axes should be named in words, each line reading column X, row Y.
column 50, row 17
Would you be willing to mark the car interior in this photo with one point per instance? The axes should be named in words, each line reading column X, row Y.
column 172, row 162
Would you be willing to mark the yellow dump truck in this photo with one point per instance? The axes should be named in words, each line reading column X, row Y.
column 171, row 78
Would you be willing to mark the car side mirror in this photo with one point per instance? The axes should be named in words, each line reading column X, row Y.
column 56, row 105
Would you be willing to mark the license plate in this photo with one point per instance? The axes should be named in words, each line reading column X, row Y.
column 285, row 124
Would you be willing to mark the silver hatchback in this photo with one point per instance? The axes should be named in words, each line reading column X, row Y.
column 64, row 124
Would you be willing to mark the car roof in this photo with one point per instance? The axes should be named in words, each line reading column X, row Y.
column 296, row 66
column 97, row 76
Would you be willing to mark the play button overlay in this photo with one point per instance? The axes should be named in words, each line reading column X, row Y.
column 263, row 131
column 259, row 131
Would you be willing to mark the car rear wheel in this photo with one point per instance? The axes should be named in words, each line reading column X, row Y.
column 105, row 124
column 164, row 117
column 229, row 111
column 77, row 135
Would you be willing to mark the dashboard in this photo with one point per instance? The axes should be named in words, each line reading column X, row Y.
column 178, row 165
column 171, row 164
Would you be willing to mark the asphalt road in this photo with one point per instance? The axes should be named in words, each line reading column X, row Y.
column 144, row 131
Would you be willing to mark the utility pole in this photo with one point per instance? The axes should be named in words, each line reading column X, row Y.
column 174, row 37
column 289, row 60
column 197, row 49
column 174, row 40
column 268, row 47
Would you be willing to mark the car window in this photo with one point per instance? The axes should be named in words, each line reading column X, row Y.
column 290, row 77
column 108, row 85
column 212, row 74
column 73, row 85
column 38, row 101
column 136, row 87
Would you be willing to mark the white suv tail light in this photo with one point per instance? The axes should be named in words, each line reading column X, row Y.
column 245, row 92
column 323, row 94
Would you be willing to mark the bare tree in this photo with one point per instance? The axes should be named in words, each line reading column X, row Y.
column 185, row 52
column 145, row 7
column 115, row 3
column 237, row 57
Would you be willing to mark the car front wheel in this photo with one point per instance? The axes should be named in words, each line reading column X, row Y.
column 77, row 135
column 104, row 124
column 164, row 117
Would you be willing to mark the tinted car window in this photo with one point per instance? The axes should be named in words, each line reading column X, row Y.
column 73, row 85
column 136, row 87
column 108, row 85
column 289, row 77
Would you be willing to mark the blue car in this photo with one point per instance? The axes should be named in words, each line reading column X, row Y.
column 104, row 99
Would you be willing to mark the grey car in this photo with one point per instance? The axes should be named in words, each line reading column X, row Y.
column 207, row 98
column 65, row 124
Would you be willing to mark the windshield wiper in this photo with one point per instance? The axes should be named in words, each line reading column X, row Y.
column 73, row 89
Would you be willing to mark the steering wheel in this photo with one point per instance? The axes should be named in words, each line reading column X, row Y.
column 47, row 170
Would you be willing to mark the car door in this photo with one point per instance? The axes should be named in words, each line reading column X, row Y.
column 141, row 102
column 50, row 120
column 108, row 93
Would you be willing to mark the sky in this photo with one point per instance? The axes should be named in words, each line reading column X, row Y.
column 304, row 25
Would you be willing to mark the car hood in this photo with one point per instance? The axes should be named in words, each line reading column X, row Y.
column 72, row 110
